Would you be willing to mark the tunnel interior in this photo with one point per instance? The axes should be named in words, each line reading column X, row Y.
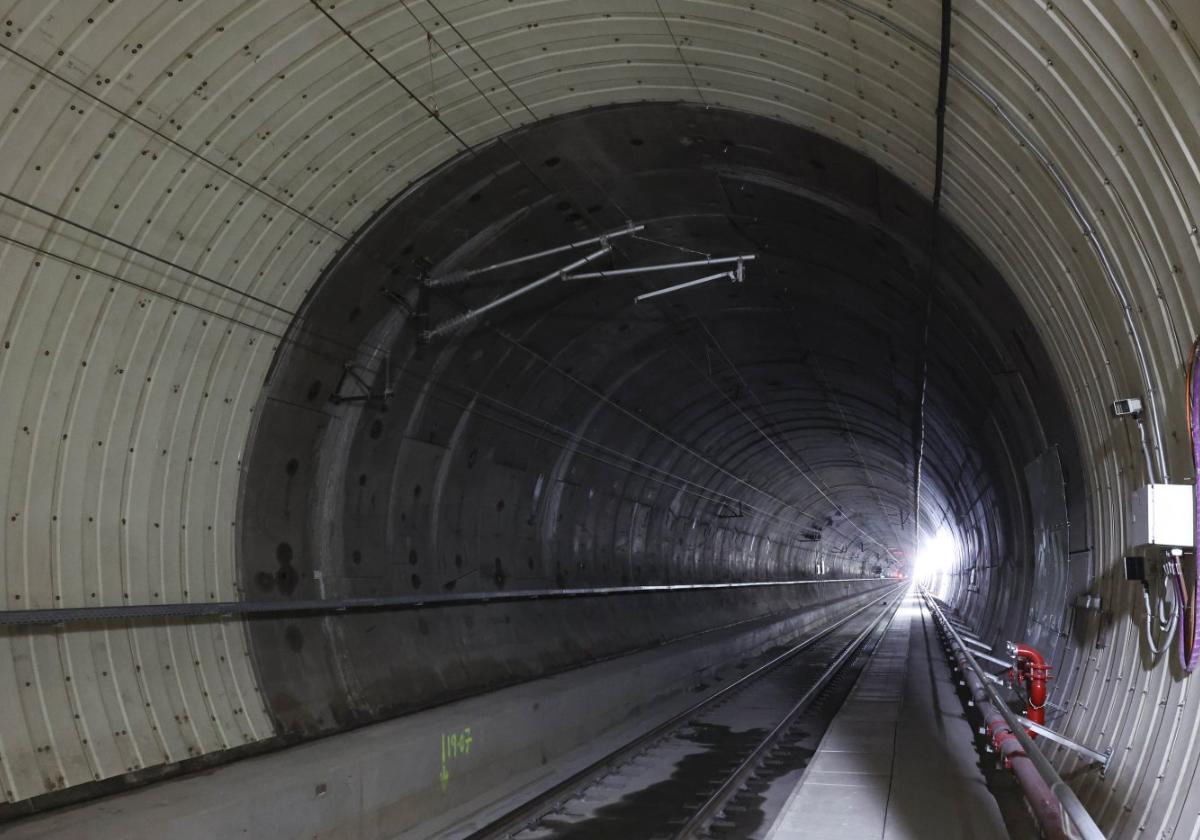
column 767, row 430
column 257, row 490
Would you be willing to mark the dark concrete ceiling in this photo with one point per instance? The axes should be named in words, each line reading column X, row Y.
column 572, row 437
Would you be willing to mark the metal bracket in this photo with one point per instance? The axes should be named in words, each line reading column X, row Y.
column 1007, row 663
column 707, row 279
column 727, row 512
column 995, row 680
column 457, row 277
column 740, row 260
column 397, row 299
column 365, row 395
column 567, row 272
column 962, row 628
column 458, row 320
column 1101, row 758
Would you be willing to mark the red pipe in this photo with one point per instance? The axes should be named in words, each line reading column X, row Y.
column 1031, row 668
column 1042, row 801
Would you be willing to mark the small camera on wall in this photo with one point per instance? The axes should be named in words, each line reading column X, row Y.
column 1126, row 407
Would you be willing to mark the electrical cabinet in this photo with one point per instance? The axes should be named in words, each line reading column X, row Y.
column 1162, row 515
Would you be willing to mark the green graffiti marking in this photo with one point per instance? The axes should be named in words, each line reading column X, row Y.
column 455, row 746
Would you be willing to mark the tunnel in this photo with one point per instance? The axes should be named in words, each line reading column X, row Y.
column 421, row 415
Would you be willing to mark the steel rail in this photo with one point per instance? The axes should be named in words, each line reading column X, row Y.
column 735, row 781
column 1070, row 806
column 528, row 813
column 225, row 609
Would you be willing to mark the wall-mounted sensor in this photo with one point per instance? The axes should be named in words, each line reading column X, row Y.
column 1126, row 407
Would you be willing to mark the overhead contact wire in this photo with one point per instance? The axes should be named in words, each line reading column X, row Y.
column 800, row 470
column 575, row 438
column 155, row 257
column 371, row 56
column 538, row 178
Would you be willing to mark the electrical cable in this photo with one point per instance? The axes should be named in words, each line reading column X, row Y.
column 537, row 176
column 472, row 397
column 772, row 442
column 135, row 249
column 939, row 167
column 642, row 421
column 1166, row 620
column 289, row 337
column 171, row 141
column 286, row 337
column 1189, row 639
column 370, row 54
column 679, row 248
column 433, row 113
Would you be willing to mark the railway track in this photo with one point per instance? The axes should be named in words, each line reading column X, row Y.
column 721, row 767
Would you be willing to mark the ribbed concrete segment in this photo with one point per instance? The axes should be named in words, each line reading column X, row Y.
column 898, row 761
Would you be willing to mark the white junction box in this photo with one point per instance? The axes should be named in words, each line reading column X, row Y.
column 1162, row 515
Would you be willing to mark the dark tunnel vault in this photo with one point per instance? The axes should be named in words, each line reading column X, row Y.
column 574, row 439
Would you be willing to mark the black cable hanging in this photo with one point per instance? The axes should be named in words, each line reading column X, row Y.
column 935, row 219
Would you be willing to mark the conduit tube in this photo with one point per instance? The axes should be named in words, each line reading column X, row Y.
column 1055, row 806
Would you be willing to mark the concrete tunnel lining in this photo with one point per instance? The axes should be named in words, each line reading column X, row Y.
column 553, row 446
column 247, row 142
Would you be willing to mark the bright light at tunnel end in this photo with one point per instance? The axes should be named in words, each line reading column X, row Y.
column 935, row 557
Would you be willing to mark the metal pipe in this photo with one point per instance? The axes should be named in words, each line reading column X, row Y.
column 1150, row 476
column 1031, row 666
column 452, row 277
column 970, row 634
column 646, row 269
column 996, row 660
column 977, row 644
column 471, row 314
column 1041, row 799
column 1022, row 751
column 688, row 284
column 1101, row 758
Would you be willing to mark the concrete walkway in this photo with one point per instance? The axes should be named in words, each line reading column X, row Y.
column 899, row 761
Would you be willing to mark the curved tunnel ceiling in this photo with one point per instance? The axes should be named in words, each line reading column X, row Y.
column 179, row 175
column 759, row 431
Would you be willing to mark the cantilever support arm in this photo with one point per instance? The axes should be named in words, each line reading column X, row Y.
column 1101, row 758
column 454, row 277
column 648, row 269
column 688, row 284
column 996, row 660
column 471, row 314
